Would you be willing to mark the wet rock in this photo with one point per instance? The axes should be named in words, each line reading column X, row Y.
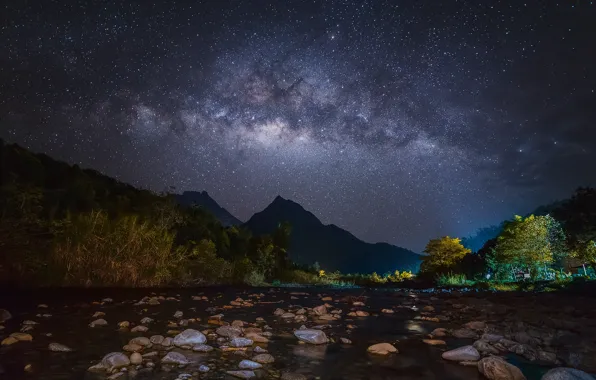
column 136, row 358
column 345, row 340
column 387, row 311
column 495, row 368
column 434, row 342
column 22, row 337
column 139, row 328
column 132, row 347
column 57, row 347
column 358, row 313
column 249, row 364
column 493, row 338
column 476, row 325
column 116, row 375
column 156, row 339
column 241, row 342
column 311, row 336
column 382, row 349
column 259, row 350
column 140, row 340
column 465, row 334
column 98, row 322
column 124, row 324
column 566, row 374
column 292, row 376
column 547, row 357
column 146, row 320
column 167, row 342
column 242, row 374
column 263, row 358
column 228, row 331
column 300, row 318
column 428, row 308
column 461, row 354
column 8, row 341
column 4, row 315
column 439, row 332
column 178, row 314
column 237, row 323
column 288, row 315
column 320, row 310
column 173, row 357
column 189, row 337
column 485, row 347
column 202, row 348
column 29, row 323
column 151, row 354
column 98, row 314
column 525, row 350
column 257, row 338
column 279, row 312
column 203, row 368
column 114, row 360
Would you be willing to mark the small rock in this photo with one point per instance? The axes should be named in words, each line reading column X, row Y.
column 98, row 322
column 242, row 374
column 387, row 311
column 8, row 341
column 257, row 338
column 382, row 349
column 124, row 324
column 461, row 354
column 464, row 334
column 485, row 347
column 22, row 337
column 562, row 373
column 292, row 376
column 345, row 340
column 475, row 325
column 57, row 347
column 29, row 323
column 259, row 350
column 434, row 342
column 189, row 337
column 495, row 368
column 428, row 308
column 132, row 347
column 114, row 360
column 140, row 340
column 202, row 348
column 98, row 314
column 173, row 357
column 203, row 368
column 156, row 339
column 136, row 358
column 249, row 364
column 4, row 315
column 241, row 342
column 228, row 331
column 146, row 320
column 178, row 314
column 263, row 358
column 139, row 328
column 311, row 336
column 320, row 310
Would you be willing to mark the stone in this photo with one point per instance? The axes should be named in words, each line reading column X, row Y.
column 98, row 314
column 434, row 342
column 495, row 368
column 263, row 358
column 22, row 337
column 387, row 311
column 57, row 347
column 114, row 360
column 136, row 358
column 461, row 354
column 485, row 347
column 237, row 323
column 279, row 312
column 98, row 322
column 358, row 313
column 139, row 328
column 259, row 350
column 257, row 338
column 562, row 373
column 115, row 376
column 4, row 315
column 189, row 337
column 124, row 324
column 30, row 323
column 140, row 340
column 439, row 332
column 428, row 308
column 345, row 340
column 146, row 320
column 475, row 325
column 493, row 338
column 242, row 374
column 8, row 341
column 249, row 364
column 203, row 368
column 156, row 339
column 320, row 310
column 382, row 349
column 132, row 347
column 547, row 357
column 173, row 357
column 178, row 314
column 288, row 315
column 464, row 334
column 167, row 342
column 228, row 331
column 311, row 336
column 202, row 348
column 241, row 342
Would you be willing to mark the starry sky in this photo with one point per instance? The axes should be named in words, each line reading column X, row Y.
column 399, row 121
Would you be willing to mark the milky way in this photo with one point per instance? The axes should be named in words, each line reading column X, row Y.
column 397, row 120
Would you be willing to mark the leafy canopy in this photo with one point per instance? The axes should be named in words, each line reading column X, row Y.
column 443, row 253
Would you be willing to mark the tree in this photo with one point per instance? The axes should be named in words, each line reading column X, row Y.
column 578, row 216
column 533, row 243
column 586, row 254
column 443, row 254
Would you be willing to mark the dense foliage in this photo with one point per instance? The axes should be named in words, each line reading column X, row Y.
column 61, row 225
column 443, row 255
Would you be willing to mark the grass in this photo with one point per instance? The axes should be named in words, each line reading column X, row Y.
column 453, row 279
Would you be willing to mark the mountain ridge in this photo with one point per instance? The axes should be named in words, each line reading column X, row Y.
column 203, row 199
column 328, row 244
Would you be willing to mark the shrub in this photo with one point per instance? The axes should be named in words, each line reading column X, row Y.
column 452, row 279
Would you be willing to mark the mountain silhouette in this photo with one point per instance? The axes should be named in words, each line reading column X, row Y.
column 331, row 246
column 202, row 199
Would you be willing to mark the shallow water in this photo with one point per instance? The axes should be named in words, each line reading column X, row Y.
column 72, row 310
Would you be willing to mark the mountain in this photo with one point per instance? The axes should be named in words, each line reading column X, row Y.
column 202, row 199
column 332, row 247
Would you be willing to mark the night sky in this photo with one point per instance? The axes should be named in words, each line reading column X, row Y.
column 399, row 121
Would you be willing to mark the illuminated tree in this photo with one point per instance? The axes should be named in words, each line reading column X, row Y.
column 528, row 244
column 443, row 254
column 586, row 254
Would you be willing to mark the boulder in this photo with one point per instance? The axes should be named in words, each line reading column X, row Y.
column 311, row 336
column 496, row 368
column 562, row 373
column 462, row 354
column 382, row 349
column 189, row 337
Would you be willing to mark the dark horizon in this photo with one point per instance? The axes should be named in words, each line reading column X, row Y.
column 397, row 121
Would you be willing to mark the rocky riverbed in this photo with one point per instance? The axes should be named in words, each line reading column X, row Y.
column 296, row 334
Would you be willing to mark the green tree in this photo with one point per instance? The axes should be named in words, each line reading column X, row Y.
column 586, row 254
column 443, row 254
column 529, row 244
